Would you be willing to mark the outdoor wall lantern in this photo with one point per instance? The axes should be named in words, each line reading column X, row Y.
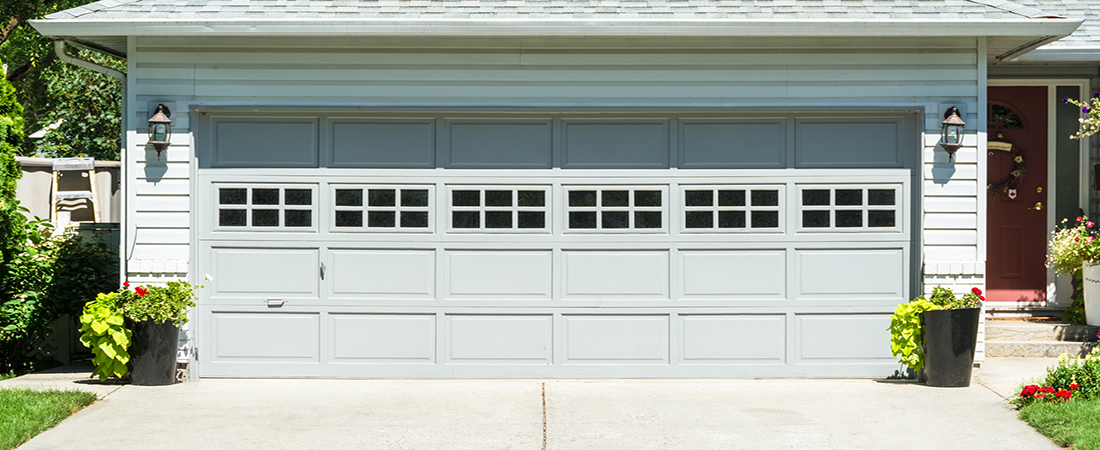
column 951, row 137
column 160, row 129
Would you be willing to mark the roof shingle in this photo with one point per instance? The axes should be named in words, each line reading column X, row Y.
column 677, row 9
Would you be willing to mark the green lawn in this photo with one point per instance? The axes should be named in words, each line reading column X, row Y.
column 24, row 413
column 1076, row 422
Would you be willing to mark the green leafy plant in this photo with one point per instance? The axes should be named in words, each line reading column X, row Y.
column 103, row 329
column 907, row 330
column 160, row 304
column 1072, row 246
column 1082, row 372
column 48, row 276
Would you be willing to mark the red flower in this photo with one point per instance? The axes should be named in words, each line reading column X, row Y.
column 1029, row 390
column 125, row 284
column 1041, row 396
column 1047, row 389
column 140, row 291
column 1089, row 224
column 1074, row 386
column 1078, row 218
column 1064, row 394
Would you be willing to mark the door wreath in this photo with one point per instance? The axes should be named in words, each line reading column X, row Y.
column 1007, row 189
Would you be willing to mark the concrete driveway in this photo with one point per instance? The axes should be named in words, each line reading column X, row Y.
column 537, row 414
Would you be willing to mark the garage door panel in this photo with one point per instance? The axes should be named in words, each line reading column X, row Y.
column 511, row 144
column 383, row 338
column 615, row 274
column 737, row 274
column 824, row 143
column 499, row 275
column 855, row 273
column 615, row 339
column 733, row 339
column 616, row 145
column 503, row 339
column 266, row 272
column 265, row 143
column 266, row 337
column 732, row 145
column 382, row 144
column 856, row 338
column 398, row 274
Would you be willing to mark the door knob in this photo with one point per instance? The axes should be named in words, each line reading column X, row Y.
column 1038, row 206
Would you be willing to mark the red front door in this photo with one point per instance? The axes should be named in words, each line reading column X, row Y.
column 1017, row 216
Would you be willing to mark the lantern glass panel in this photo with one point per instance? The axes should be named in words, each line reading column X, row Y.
column 951, row 134
column 160, row 132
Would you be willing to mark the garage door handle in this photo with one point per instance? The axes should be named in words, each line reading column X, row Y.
column 275, row 303
column 322, row 270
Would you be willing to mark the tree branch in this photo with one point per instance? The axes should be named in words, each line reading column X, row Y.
column 30, row 66
column 8, row 29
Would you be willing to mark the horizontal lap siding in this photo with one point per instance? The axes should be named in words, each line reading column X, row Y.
column 241, row 72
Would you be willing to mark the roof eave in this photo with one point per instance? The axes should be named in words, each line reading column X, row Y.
column 553, row 27
column 1074, row 54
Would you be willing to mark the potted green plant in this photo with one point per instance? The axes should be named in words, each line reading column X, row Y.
column 136, row 333
column 1076, row 248
column 157, row 313
column 939, row 335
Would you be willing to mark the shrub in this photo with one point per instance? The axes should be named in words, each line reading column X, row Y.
column 1085, row 372
column 47, row 277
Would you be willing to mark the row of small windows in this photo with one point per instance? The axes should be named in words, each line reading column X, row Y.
column 397, row 208
column 521, row 209
column 265, row 207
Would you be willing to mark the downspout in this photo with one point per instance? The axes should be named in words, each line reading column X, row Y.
column 123, row 251
column 59, row 48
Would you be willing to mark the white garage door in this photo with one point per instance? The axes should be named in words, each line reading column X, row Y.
column 552, row 246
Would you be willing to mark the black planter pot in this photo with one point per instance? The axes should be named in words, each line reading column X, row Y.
column 950, row 336
column 153, row 353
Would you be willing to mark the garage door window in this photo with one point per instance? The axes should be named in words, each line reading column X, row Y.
column 732, row 208
column 499, row 209
column 266, row 208
column 850, row 208
column 616, row 209
column 382, row 208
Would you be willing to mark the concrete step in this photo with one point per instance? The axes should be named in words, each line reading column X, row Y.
column 1034, row 348
column 1006, row 330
